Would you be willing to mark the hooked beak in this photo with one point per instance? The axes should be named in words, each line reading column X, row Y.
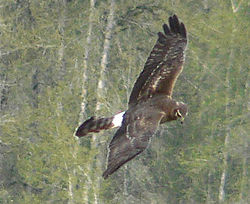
column 182, row 120
column 181, row 117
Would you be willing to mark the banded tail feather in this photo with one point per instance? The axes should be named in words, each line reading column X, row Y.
column 94, row 124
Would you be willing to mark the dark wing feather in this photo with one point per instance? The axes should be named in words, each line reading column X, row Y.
column 164, row 63
column 131, row 139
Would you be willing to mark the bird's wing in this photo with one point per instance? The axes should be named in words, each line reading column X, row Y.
column 131, row 139
column 164, row 63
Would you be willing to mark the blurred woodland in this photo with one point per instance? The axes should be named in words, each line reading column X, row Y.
column 63, row 61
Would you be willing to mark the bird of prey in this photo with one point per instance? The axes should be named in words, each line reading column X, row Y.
column 150, row 102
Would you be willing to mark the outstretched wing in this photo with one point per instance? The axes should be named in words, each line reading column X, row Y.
column 164, row 63
column 131, row 139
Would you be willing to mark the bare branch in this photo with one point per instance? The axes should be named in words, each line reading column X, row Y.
column 234, row 7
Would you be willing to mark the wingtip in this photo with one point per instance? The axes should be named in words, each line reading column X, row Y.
column 175, row 17
column 166, row 29
column 105, row 175
column 176, row 26
column 109, row 171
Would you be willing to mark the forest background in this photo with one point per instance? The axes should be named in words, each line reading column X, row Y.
column 63, row 61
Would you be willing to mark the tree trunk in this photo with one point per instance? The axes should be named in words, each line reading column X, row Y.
column 225, row 166
column 209, row 190
column 84, row 78
column 85, row 61
column 227, row 117
column 244, row 188
column 106, row 48
column 61, row 28
column 101, row 95
column 4, row 90
column 244, row 195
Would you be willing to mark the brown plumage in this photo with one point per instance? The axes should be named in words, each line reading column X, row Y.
column 150, row 102
column 164, row 63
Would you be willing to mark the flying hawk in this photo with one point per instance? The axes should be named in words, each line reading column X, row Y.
column 150, row 102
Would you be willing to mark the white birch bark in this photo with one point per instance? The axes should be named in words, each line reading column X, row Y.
column 88, row 167
column 85, row 61
column 235, row 9
column 106, row 48
column 61, row 28
column 221, row 197
column 84, row 171
column 100, row 92
column 225, row 166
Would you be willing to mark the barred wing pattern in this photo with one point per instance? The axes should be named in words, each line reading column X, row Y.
column 164, row 63
column 132, row 138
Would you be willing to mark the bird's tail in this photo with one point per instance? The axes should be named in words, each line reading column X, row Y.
column 94, row 124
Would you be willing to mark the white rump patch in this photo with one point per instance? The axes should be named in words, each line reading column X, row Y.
column 117, row 120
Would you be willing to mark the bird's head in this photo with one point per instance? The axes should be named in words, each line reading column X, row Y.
column 180, row 111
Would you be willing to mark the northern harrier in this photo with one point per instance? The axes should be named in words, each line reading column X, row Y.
column 150, row 102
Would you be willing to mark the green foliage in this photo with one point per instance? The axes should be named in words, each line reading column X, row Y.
column 41, row 61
